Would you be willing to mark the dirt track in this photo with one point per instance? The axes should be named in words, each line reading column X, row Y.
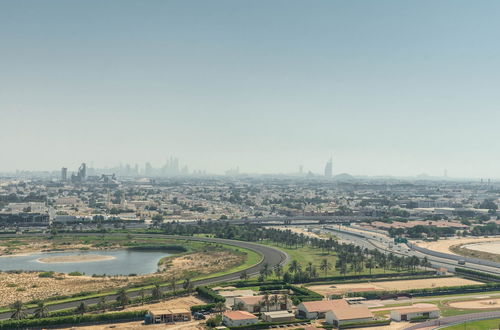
column 444, row 245
column 329, row 289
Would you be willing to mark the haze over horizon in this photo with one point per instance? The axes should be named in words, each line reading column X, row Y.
column 389, row 87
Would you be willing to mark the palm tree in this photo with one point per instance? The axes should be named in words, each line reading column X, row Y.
column 142, row 294
column 275, row 299
column 284, row 300
column 239, row 306
column 265, row 270
column 325, row 266
column 101, row 305
column 41, row 310
column 156, row 292
column 266, row 300
column 19, row 312
column 187, row 285
column 81, row 309
column 294, row 266
column 370, row 264
column 122, row 298
column 278, row 270
column 173, row 281
column 244, row 276
column 310, row 269
column 220, row 307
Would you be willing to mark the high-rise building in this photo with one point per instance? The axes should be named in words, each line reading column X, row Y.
column 82, row 172
column 329, row 168
column 64, row 174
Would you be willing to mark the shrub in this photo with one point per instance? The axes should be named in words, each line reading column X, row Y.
column 46, row 274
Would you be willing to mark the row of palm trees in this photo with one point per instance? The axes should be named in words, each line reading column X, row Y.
column 122, row 299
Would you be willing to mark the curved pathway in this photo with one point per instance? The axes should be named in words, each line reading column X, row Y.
column 270, row 255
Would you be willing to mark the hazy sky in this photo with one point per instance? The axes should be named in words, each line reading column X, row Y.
column 389, row 87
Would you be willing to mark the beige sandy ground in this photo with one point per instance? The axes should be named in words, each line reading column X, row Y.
column 140, row 325
column 330, row 289
column 392, row 326
column 388, row 309
column 477, row 304
column 75, row 258
column 444, row 245
column 183, row 302
column 489, row 247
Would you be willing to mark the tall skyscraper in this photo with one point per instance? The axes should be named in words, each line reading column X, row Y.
column 64, row 174
column 329, row 168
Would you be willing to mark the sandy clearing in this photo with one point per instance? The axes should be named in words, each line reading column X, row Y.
column 140, row 325
column 330, row 289
column 183, row 302
column 477, row 304
column 444, row 245
column 388, row 309
column 490, row 247
column 75, row 258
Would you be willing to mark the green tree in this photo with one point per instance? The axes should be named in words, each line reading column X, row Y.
column 41, row 310
column 122, row 298
column 18, row 309
column 81, row 309
column 325, row 266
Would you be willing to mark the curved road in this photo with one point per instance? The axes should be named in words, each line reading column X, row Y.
column 270, row 255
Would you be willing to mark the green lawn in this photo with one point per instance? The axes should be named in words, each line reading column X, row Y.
column 477, row 325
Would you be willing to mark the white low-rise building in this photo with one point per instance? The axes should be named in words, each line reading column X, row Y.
column 238, row 318
column 350, row 314
column 410, row 313
column 318, row 309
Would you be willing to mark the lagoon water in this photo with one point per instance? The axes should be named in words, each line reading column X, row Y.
column 125, row 262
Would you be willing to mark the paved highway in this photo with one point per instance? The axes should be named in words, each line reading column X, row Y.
column 370, row 240
column 270, row 255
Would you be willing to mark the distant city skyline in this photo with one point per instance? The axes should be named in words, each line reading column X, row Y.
column 390, row 87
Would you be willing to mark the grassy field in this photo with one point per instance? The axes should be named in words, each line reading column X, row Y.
column 477, row 325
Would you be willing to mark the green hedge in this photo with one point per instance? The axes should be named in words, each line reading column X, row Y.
column 375, row 323
column 197, row 308
column 210, row 294
column 432, row 291
column 475, row 273
column 73, row 319
column 266, row 325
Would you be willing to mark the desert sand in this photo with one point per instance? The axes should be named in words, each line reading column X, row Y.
column 444, row 245
column 477, row 304
column 329, row 289
column 490, row 247
column 75, row 258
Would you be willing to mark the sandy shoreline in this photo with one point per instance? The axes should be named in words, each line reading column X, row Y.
column 75, row 258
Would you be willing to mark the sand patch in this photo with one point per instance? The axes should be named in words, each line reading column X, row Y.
column 339, row 289
column 140, row 325
column 477, row 304
column 182, row 302
column 490, row 247
column 445, row 245
column 75, row 258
